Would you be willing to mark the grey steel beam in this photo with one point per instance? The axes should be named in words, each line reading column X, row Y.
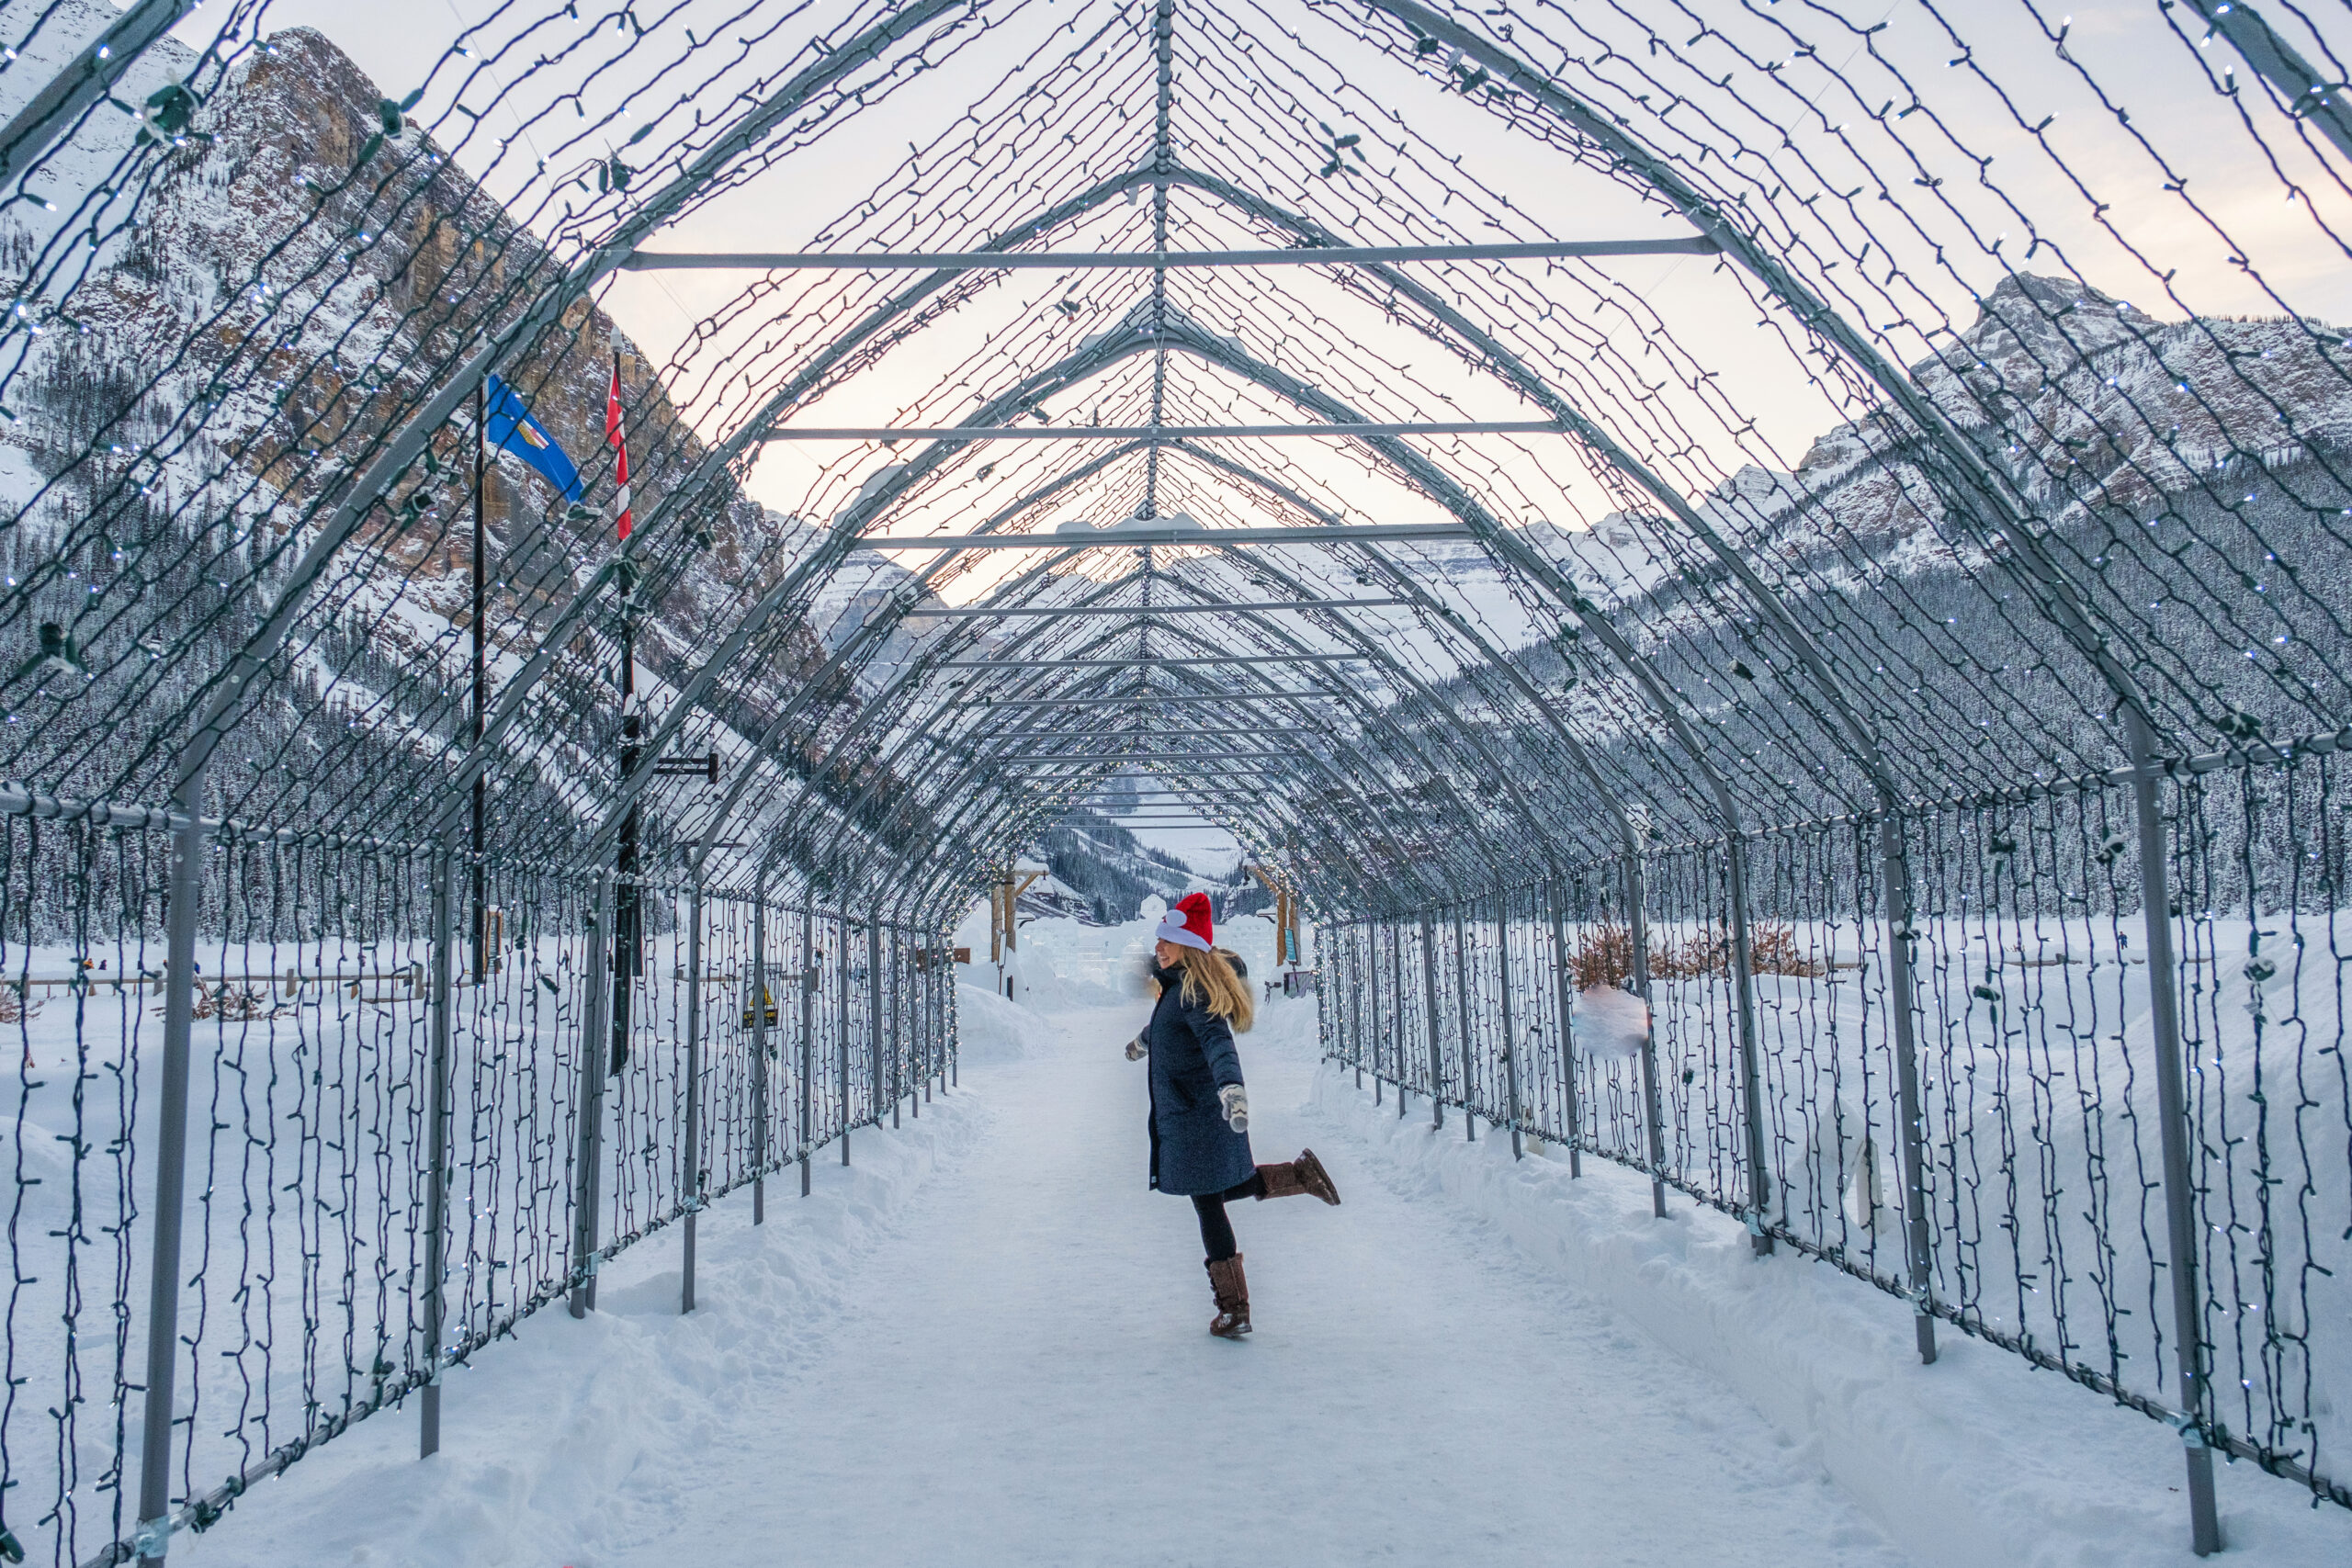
column 1066, row 735
column 1035, row 774
column 2310, row 95
column 1149, row 697
column 1149, row 610
column 1148, row 661
column 1010, row 261
column 1143, row 757
column 84, row 79
column 1134, row 538
column 961, row 433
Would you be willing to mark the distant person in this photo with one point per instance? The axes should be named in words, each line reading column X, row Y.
column 1200, row 1111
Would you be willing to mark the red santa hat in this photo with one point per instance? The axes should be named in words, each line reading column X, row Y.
column 1187, row 925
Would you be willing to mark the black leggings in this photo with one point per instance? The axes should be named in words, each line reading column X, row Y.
column 1217, row 1231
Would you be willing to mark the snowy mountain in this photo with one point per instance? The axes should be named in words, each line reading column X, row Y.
column 307, row 269
column 2116, row 409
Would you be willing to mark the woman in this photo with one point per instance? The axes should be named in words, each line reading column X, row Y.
column 1200, row 1111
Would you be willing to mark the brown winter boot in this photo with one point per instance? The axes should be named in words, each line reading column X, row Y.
column 1232, row 1288
column 1304, row 1175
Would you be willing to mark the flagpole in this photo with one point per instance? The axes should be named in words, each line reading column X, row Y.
column 480, row 673
column 625, row 901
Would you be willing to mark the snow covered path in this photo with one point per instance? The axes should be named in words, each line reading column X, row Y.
column 1031, row 1381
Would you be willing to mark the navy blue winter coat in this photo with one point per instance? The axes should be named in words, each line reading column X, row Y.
column 1192, row 1150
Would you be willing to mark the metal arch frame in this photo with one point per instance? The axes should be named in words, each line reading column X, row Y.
column 1860, row 743
column 877, row 627
column 911, row 680
column 1344, row 782
column 1402, row 677
column 1162, row 174
column 1417, row 470
column 980, row 767
column 1110, row 351
column 1859, row 739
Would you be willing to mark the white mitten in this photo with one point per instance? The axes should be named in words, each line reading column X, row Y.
column 1135, row 1049
column 1236, row 1101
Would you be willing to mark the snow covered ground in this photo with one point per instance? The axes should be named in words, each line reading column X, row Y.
column 984, row 1343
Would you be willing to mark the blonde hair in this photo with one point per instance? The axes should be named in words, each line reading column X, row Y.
column 1208, row 975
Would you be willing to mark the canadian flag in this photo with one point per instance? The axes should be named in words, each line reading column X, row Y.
column 618, row 440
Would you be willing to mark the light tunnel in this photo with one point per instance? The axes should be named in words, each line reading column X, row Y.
column 1835, row 526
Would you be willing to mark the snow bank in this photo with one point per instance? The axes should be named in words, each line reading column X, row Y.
column 1977, row 1459
column 991, row 1029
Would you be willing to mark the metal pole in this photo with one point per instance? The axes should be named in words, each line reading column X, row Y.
column 2172, row 1107
column 1369, row 978
column 693, row 1170
column 1637, row 930
column 1751, row 1085
column 876, row 1007
column 1564, row 984
column 1510, row 1030
column 808, row 989
column 1326, row 1023
column 91, row 74
column 1429, row 1006
column 155, row 1531
column 628, row 897
column 1913, row 1133
column 588, row 1152
column 1346, row 1007
column 759, row 1007
column 1461, row 999
column 1396, row 1015
column 841, row 1042
column 478, row 916
column 436, row 1159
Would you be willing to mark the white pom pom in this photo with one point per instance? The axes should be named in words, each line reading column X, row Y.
column 1611, row 1022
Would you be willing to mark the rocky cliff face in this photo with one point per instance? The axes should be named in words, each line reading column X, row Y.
column 314, row 291
column 2087, row 402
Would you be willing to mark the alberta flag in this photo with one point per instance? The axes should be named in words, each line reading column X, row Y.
column 509, row 426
